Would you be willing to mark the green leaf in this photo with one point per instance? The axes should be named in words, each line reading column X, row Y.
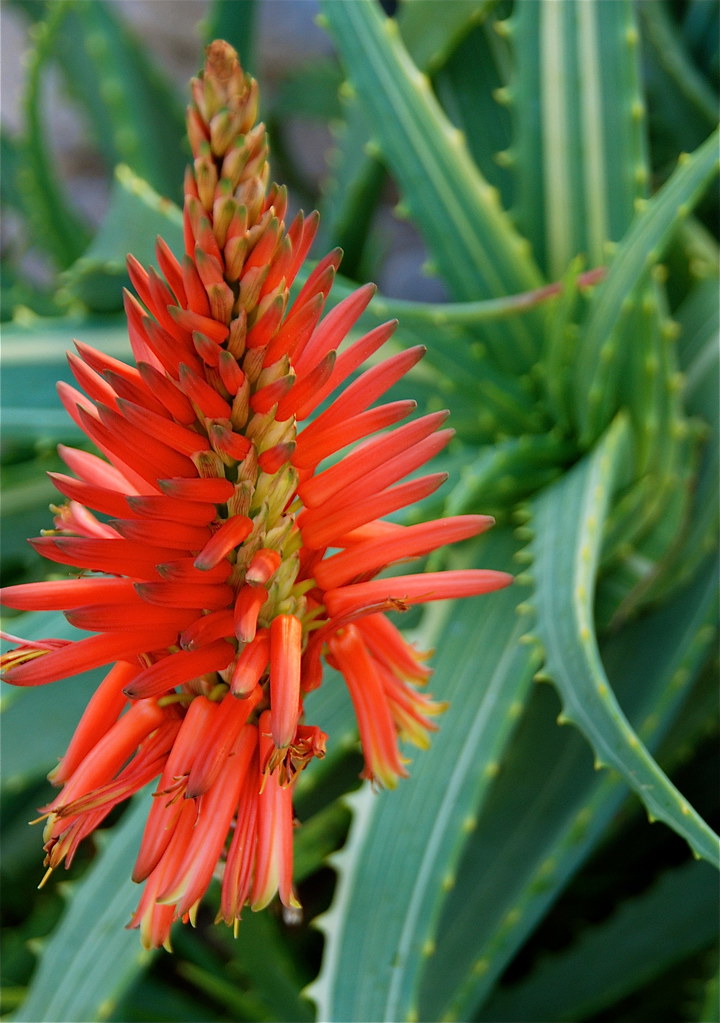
column 29, row 751
column 55, row 225
column 682, row 103
column 262, row 968
column 583, row 979
column 404, row 847
column 602, row 347
column 471, row 86
column 568, row 520
column 548, row 809
column 510, row 471
column 353, row 189
column 579, row 153
column 133, row 110
column 309, row 91
column 27, row 494
column 135, row 218
column 35, row 358
column 91, row 959
column 10, row 194
column 470, row 238
column 451, row 20
column 456, row 335
column 236, row 23
column 699, row 352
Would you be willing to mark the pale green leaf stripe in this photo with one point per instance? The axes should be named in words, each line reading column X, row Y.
column 599, row 354
column 470, row 237
column 556, row 99
column 91, row 959
column 404, row 845
column 582, row 979
column 567, row 535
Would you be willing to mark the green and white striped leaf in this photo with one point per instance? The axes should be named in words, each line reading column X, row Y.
column 567, row 522
column 472, row 88
column 471, row 239
column 356, row 176
column 579, row 152
column 404, row 846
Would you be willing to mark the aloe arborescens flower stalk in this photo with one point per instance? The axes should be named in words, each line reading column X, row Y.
column 227, row 563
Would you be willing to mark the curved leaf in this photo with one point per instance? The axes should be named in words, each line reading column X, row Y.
column 35, row 358
column 568, row 520
column 548, row 809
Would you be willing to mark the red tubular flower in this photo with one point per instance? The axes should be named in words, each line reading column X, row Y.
column 233, row 561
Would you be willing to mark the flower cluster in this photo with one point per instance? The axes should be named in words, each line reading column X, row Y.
column 225, row 551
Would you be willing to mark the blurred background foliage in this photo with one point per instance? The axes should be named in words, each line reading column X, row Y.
column 511, row 175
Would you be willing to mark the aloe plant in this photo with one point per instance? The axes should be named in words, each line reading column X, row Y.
column 558, row 161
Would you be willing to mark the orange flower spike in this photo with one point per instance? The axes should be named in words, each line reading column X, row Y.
column 230, row 534
column 101, row 713
column 152, row 917
column 74, row 658
column 386, row 644
column 274, row 859
column 250, row 665
column 240, row 863
column 216, row 810
column 263, row 566
column 180, row 668
column 168, row 797
column 223, row 600
column 111, row 752
column 249, row 601
column 377, row 729
column 414, row 589
column 285, row 655
column 408, row 542
column 145, row 765
column 230, row 720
